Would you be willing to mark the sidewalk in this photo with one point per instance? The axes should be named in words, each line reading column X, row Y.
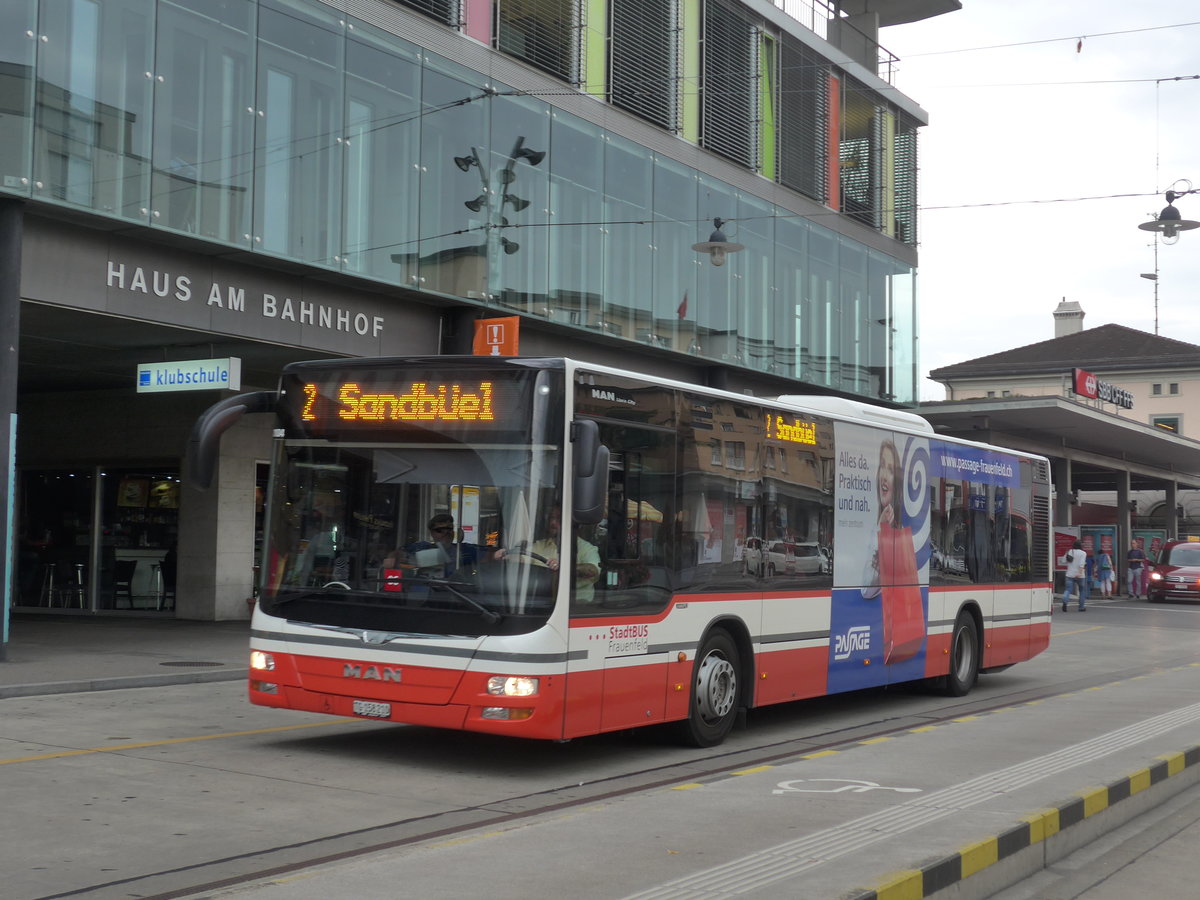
column 64, row 654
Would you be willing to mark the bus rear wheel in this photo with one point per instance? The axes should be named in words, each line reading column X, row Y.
column 964, row 657
column 715, row 691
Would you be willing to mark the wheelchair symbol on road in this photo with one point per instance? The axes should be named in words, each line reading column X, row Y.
column 841, row 785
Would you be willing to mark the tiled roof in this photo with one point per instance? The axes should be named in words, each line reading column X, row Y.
column 1108, row 348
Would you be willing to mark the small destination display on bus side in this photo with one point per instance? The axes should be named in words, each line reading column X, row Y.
column 791, row 429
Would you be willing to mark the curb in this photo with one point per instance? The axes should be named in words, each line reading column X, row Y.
column 1042, row 837
column 120, row 683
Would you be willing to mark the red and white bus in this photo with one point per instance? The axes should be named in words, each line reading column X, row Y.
column 935, row 553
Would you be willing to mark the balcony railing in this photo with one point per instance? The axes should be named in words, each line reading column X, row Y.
column 815, row 15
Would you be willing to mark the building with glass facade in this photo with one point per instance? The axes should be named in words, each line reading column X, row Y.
column 270, row 180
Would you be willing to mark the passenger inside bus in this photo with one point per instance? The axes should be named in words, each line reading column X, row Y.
column 441, row 555
column 322, row 555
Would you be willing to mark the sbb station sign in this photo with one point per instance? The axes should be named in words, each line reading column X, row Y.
column 1088, row 385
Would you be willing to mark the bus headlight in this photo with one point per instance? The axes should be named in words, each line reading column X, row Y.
column 264, row 662
column 512, row 686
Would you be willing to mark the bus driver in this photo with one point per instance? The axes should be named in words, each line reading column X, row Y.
column 587, row 555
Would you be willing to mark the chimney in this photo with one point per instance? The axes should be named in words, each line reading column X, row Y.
column 1068, row 318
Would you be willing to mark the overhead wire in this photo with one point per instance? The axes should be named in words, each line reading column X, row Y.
column 1073, row 37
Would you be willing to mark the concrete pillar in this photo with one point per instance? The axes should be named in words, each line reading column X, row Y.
column 1061, row 477
column 216, row 529
column 1171, row 505
column 1124, row 528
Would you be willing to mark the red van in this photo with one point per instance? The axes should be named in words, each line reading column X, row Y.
column 1176, row 575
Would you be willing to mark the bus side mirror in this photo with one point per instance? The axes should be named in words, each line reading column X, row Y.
column 590, row 488
column 204, row 445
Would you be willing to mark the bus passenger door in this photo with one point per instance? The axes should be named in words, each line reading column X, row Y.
column 617, row 675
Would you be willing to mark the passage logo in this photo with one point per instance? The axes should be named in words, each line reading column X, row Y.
column 857, row 638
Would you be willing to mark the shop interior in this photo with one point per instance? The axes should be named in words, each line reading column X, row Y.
column 98, row 539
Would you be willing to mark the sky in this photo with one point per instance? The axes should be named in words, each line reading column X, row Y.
column 1041, row 157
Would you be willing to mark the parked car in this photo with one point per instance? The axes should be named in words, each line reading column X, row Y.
column 788, row 558
column 1176, row 576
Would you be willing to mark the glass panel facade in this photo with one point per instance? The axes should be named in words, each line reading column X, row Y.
column 628, row 232
column 300, row 142
column 791, row 303
column 92, row 117
column 456, row 199
column 382, row 171
column 755, row 229
column 18, row 44
column 283, row 128
column 517, row 161
column 204, row 120
column 676, row 266
column 821, row 360
column 719, row 299
column 576, row 242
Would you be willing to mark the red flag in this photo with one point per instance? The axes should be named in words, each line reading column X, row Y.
column 683, row 307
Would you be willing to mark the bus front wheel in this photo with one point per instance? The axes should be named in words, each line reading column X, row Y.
column 964, row 657
column 714, row 695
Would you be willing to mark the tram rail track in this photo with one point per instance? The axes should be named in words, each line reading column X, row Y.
column 204, row 877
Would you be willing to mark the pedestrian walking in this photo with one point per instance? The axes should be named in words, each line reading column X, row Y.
column 1137, row 571
column 1104, row 565
column 1076, row 562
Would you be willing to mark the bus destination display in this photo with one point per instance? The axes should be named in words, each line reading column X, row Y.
column 422, row 401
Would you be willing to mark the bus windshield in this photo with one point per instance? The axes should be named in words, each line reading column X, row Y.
column 388, row 525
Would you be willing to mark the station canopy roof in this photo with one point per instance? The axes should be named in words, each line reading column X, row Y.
column 1100, row 444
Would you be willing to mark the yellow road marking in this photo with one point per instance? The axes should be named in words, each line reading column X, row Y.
column 168, row 741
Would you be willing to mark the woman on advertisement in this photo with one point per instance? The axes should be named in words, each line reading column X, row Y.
column 894, row 577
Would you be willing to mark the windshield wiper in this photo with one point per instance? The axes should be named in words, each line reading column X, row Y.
column 488, row 615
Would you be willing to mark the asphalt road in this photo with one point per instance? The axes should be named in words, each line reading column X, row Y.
column 187, row 791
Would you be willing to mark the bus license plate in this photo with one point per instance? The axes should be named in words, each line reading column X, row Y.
column 372, row 710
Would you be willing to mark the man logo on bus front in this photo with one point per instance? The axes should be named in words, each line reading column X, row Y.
column 371, row 673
